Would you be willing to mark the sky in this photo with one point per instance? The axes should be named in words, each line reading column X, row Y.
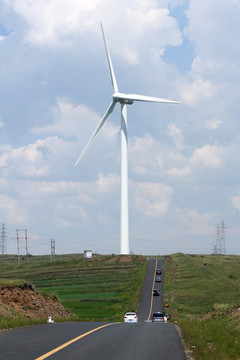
column 184, row 158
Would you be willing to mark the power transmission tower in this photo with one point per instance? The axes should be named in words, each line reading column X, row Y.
column 3, row 241
column 222, row 239
column 52, row 250
column 219, row 247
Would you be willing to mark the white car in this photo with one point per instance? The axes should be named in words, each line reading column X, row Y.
column 130, row 317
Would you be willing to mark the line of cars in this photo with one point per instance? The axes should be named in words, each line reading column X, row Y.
column 157, row 316
column 131, row 317
column 158, row 279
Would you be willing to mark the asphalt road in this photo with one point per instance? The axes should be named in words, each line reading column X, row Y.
column 91, row 340
column 149, row 304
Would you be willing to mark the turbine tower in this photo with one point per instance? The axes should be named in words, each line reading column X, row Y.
column 124, row 100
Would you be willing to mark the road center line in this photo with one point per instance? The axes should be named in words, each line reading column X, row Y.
column 152, row 291
column 71, row 341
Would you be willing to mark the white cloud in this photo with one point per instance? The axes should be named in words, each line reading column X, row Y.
column 60, row 23
column 149, row 157
column 209, row 156
column 4, row 185
column 141, row 151
column 213, row 124
column 108, row 183
column 194, row 223
column 176, row 134
column 62, row 223
column 152, row 199
column 12, row 211
column 218, row 37
column 1, row 122
column 83, row 191
column 75, row 121
column 40, row 189
column 63, row 203
column 27, row 159
column 197, row 91
column 68, row 119
column 180, row 171
column 131, row 56
column 68, row 209
column 236, row 201
column 42, row 158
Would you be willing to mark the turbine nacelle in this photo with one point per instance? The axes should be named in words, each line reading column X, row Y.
column 122, row 98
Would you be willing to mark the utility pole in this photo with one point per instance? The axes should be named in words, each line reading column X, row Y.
column 26, row 243
column 3, row 241
column 18, row 247
column 52, row 250
column 18, row 244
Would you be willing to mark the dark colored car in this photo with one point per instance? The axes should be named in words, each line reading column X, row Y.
column 156, row 292
column 158, row 279
column 159, row 317
column 158, row 272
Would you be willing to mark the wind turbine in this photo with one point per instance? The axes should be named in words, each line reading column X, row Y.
column 124, row 100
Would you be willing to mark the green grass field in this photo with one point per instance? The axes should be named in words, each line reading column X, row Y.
column 203, row 292
column 101, row 288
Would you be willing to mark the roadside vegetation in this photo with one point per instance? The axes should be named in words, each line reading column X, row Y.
column 18, row 321
column 99, row 289
column 203, row 293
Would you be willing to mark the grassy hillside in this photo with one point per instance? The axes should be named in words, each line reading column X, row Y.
column 101, row 288
column 203, row 292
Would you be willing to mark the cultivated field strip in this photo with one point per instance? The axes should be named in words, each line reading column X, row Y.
column 102, row 288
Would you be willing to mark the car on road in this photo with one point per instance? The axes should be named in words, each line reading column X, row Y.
column 130, row 317
column 158, row 279
column 156, row 292
column 158, row 272
column 159, row 317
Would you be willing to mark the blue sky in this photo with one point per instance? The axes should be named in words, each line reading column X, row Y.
column 183, row 159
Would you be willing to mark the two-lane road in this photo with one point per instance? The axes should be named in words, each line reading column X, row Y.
column 91, row 340
column 148, row 303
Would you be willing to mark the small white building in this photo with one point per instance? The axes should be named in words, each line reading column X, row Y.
column 87, row 254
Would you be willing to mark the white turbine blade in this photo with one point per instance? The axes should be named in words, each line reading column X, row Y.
column 135, row 97
column 98, row 128
column 113, row 78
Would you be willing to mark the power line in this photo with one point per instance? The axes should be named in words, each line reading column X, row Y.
column 235, row 223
